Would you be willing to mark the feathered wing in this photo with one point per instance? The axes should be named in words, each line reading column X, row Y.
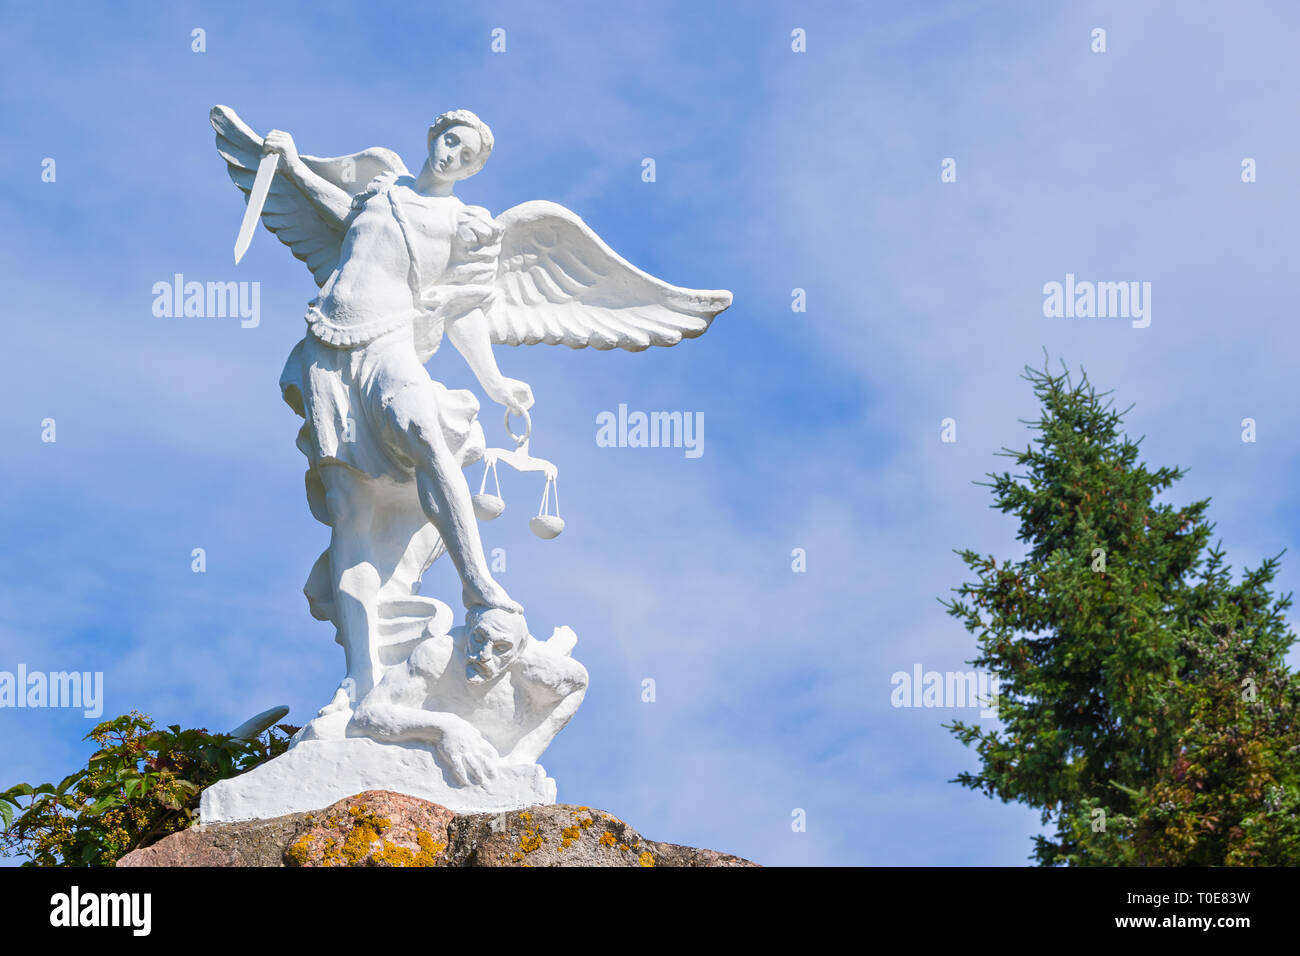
column 287, row 212
column 560, row 284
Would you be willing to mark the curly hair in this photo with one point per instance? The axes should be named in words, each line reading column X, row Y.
column 464, row 118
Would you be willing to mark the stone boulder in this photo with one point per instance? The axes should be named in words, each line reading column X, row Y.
column 380, row 828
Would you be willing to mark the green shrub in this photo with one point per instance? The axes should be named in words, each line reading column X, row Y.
column 142, row 784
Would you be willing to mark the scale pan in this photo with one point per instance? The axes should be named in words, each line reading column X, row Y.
column 546, row 526
column 488, row 507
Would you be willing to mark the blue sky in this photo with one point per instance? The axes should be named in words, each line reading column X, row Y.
column 775, row 170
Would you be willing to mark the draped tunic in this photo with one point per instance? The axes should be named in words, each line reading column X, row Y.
column 344, row 374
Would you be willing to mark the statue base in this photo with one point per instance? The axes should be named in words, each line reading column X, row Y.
column 313, row 774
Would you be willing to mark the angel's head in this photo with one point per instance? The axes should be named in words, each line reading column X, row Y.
column 459, row 145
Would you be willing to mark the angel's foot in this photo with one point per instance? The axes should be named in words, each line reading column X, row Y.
column 492, row 596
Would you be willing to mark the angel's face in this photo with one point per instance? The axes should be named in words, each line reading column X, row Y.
column 452, row 156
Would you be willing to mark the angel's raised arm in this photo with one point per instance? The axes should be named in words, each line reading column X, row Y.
column 333, row 204
column 310, row 197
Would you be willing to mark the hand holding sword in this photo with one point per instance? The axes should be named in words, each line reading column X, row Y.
column 277, row 143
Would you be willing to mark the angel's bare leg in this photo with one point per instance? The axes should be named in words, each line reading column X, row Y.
column 444, row 495
column 354, row 573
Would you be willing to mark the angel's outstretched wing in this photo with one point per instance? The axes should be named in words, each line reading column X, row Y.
column 560, row 284
column 287, row 212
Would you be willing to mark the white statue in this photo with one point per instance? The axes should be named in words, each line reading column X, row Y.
column 502, row 695
column 458, row 715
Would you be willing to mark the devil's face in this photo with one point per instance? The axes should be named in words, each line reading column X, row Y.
column 492, row 643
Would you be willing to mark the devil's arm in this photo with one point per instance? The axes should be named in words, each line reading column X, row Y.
column 555, row 685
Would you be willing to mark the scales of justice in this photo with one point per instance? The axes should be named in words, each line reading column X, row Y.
column 456, row 712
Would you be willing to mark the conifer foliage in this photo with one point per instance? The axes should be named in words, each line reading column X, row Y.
column 1146, row 707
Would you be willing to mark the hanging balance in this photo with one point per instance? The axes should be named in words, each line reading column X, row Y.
column 489, row 506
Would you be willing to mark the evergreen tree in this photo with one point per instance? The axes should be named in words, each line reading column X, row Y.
column 1123, row 648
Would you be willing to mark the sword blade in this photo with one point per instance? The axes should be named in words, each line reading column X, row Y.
column 256, row 198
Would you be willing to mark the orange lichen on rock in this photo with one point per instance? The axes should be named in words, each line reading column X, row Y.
column 569, row 835
column 530, row 839
column 354, row 833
